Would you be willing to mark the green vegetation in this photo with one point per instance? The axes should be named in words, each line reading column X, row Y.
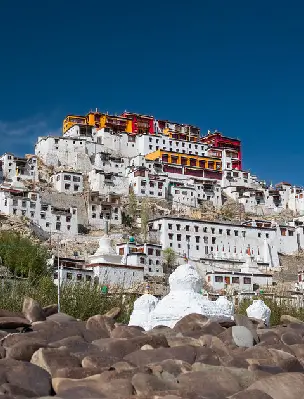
column 278, row 308
column 169, row 257
column 80, row 300
column 23, row 257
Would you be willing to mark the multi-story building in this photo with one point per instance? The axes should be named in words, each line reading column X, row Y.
column 205, row 240
column 68, row 182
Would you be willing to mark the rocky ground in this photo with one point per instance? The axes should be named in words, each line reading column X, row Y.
column 44, row 353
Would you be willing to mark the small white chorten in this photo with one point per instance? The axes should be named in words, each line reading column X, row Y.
column 105, row 253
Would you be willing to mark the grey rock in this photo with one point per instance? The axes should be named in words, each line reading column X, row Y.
column 242, row 337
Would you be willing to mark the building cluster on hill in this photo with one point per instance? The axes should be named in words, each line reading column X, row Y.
column 83, row 178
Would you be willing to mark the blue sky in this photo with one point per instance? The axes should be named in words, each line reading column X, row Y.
column 235, row 66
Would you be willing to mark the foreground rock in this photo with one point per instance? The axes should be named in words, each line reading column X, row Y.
column 59, row 356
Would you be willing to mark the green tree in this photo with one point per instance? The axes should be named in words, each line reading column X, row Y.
column 145, row 215
column 132, row 207
column 169, row 257
column 22, row 256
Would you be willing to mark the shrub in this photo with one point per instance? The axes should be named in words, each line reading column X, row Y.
column 81, row 300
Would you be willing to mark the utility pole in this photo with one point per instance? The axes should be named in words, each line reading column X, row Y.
column 188, row 249
column 58, row 276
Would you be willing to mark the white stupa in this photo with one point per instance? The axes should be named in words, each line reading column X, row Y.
column 184, row 298
column 105, row 253
column 259, row 310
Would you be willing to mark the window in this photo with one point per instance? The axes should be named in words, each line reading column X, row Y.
column 42, row 215
column 205, row 229
column 290, row 233
column 212, row 230
column 69, row 276
column 236, row 233
column 142, row 260
column 247, row 280
column 23, row 204
column 79, row 277
column 228, row 232
column 267, row 235
column 220, row 231
column 179, row 237
column 187, row 227
column 150, row 251
column 213, row 239
column 88, row 278
column 57, row 218
column 157, row 252
column 32, row 214
column 55, row 276
column 58, row 226
column 76, row 179
column 283, row 232
column 196, row 229
column 76, row 187
column 197, row 239
column 170, row 236
column 150, row 262
column 14, row 211
column 205, row 240
column 23, row 213
column 178, row 226
column 67, row 177
column 218, row 279
column 206, row 250
column 67, row 186
column 170, row 226
column 259, row 235
column 235, row 280
column 244, row 233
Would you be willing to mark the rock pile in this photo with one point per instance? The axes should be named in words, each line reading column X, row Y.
column 44, row 353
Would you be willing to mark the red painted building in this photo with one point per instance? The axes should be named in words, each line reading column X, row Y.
column 141, row 124
column 232, row 146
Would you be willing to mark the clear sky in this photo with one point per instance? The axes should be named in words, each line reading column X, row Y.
column 236, row 66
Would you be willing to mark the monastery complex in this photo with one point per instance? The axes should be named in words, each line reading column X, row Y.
column 81, row 182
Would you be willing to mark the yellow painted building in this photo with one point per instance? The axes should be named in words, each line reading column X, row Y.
column 176, row 158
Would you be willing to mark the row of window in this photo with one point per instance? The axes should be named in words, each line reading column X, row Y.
column 230, row 279
column 212, row 230
column 171, row 142
column 70, row 276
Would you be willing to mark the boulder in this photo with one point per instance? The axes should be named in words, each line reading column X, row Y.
column 32, row 310
column 92, row 387
column 241, row 320
column 281, row 386
column 101, row 326
column 60, row 317
column 146, row 384
column 291, row 338
column 252, row 394
column 26, row 376
column 13, row 322
column 211, row 384
column 50, row 310
column 24, row 350
column 51, row 359
column 126, row 332
column 114, row 312
column 141, row 358
column 286, row 319
column 242, row 336
column 191, row 322
column 8, row 313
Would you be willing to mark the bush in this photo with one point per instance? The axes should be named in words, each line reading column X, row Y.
column 22, row 256
column 278, row 308
column 81, row 300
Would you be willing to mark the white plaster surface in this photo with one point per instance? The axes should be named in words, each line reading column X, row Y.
column 184, row 298
column 143, row 306
column 259, row 310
